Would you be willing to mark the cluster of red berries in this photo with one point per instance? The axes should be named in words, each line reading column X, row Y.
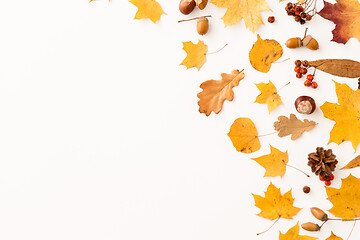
column 298, row 11
column 327, row 179
column 301, row 69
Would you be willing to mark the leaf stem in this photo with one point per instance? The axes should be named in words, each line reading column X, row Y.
column 264, row 135
column 352, row 229
column 185, row 20
column 217, row 50
column 298, row 170
column 282, row 87
column 282, row 60
column 270, row 226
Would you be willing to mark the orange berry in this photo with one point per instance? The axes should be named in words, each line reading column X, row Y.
column 314, row 85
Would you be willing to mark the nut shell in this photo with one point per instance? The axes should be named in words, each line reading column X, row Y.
column 310, row 43
column 201, row 4
column 294, row 42
column 202, row 26
column 305, row 105
column 187, row 6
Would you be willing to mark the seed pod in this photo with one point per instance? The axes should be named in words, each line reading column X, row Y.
column 312, row 227
column 201, row 3
column 187, row 6
column 305, row 104
column 202, row 25
column 319, row 214
column 310, row 43
column 294, row 42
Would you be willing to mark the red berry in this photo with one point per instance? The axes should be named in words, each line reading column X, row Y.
column 303, row 71
column 327, row 183
column 307, row 83
column 298, row 75
column 297, row 69
column 321, row 178
column 308, row 17
column 314, row 85
column 298, row 63
column 297, row 13
column 271, row 19
column 305, row 63
column 297, row 19
column 310, row 77
column 306, row 189
column 332, row 177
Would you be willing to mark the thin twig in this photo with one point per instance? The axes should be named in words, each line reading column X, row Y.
column 206, row 16
column 270, row 226
column 298, row 170
column 217, row 50
column 352, row 229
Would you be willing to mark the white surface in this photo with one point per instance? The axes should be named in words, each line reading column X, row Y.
column 101, row 138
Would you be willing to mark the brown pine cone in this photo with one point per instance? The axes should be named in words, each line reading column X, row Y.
column 322, row 162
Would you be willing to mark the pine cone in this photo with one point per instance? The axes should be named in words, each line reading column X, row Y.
column 322, row 162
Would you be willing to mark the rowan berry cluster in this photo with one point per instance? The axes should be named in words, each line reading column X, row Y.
column 299, row 12
column 301, row 69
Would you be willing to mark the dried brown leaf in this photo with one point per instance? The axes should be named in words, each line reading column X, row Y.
column 338, row 67
column 353, row 163
column 286, row 126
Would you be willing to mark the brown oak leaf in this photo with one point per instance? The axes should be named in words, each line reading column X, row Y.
column 286, row 126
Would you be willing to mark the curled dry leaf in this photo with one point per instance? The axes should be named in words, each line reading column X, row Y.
column 196, row 54
column 334, row 237
column 274, row 163
column 263, row 53
column 286, row 126
column 268, row 95
column 249, row 10
column 293, row 234
column 346, row 114
column 215, row 92
column 353, row 163
column 244, row 136
column 346, row 16
column 150, row 9
column 346, row 200
column 274, row 205
column 338, row 67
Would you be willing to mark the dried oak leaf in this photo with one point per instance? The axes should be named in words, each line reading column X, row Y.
column 346, row 200
column 353, row 163
column 293, row 234
column 274, row 205
column 196, row 54
column 249, row 10
column 334, row 237
column 286, row 126
column 274, row 163
column 346, row 16
column 150, row 9
column 268, row 95
column 244, row 136
column 263, row 53
column 215, row 92
column 346, row 114
column 338, row 67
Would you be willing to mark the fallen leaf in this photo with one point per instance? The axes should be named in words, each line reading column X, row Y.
column 263, row 53
column 215, row 92
column 274, row 205
column 196, row 54
column 334, row 237
column 286, row 126
column 274, row 163
column 346, row 114
column 346, row 16
column 249, row 10
column 353, row 163
column 244, row 136
column 150, row 9
column 268, row 95
column 338, row 67
column 346, row 200
column 293, row 234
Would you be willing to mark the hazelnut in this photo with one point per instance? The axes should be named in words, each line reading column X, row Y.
column 187, row 6
column 310, row 43
column 201, row 4
column 202, row 25
column 305, row 105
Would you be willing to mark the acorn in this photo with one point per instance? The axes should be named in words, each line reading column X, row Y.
column 202, row 25
column 294, row 42
column 319, row 214
column 312, row 227
column 310, row 43
column 187, row 6
column 201, row 4
column 305, row 105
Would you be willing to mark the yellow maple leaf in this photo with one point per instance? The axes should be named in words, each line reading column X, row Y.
column 274, row 205
column 150, row 9
column 346, row 114
column 274, row 163
column 249, row 10
column 243, row 135
column 334, row 237
column 268, row 95
column 263, row 53
column 215, row 92
column 346, row 200
column 293, row 234
column 196, row 54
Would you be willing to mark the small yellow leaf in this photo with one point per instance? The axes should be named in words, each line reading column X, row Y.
column 293, row 234
column 346, row 200
column 196, row 54
column 263, row 53
column 353, row 163
column 274, row 163
column 150, row 9
column 243, row 135
column 334, row 237
column 268, row 95
column 274, row 205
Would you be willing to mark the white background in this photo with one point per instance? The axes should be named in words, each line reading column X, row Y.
column 101, row 138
